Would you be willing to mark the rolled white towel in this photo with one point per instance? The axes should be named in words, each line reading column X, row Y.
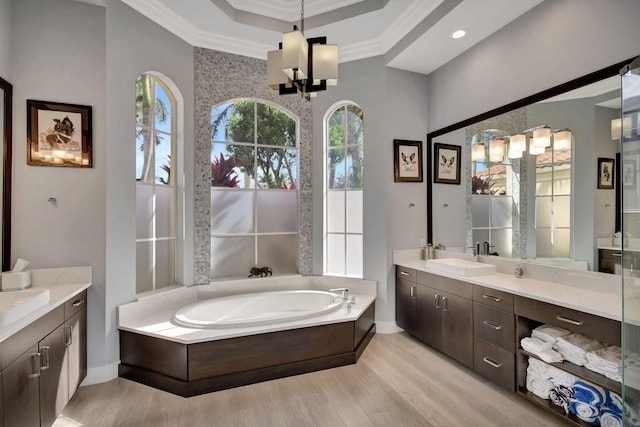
column 538, row 367
column 539, row 386
column 609, row 418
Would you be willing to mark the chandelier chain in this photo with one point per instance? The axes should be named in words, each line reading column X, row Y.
column 302, row 18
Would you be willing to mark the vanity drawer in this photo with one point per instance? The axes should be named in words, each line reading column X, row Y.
column 493, row 297
column 442, row 283
column 592, row 326
column 75, row 304
column 494, row 363
column 405, row 273
column 494, row 326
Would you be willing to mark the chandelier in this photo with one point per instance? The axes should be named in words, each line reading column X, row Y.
column 302, row 65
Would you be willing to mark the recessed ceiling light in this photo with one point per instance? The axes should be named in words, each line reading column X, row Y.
column 458, row 34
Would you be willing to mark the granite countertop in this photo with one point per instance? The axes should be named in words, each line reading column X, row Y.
column 62, row 283
column 601, row 296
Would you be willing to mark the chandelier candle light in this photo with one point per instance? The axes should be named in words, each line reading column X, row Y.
column 302, row 65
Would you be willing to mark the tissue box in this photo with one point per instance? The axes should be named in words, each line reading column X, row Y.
column 10, row 281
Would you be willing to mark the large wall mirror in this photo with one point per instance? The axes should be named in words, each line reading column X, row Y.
column 555, row 199
column 6, row 114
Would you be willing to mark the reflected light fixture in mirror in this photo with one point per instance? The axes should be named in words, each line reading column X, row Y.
column 477, row 152
column 496, row 150
column 542, row 137
column 562, row 139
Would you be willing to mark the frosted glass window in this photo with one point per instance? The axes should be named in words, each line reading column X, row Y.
column 354, row 255
column 277, row 212
column 480, row 211
column 335, row 215
column 354, row 211
column 232, row 256
column 164, row 211
column 544, row 244
column 562, row 243
column 279, row 252
column 336, row 256
column 155, row 151
column 562, row 211
column 344, row 209
column 232, row 212
column 144, row 211
column 501, row 211
column 144, row 267
column 254, row 189
column 543, row 212
column 501, row 241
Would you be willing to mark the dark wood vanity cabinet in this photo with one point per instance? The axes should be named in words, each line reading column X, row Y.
column 494, row 336
column 436, row 310
column 43, row 365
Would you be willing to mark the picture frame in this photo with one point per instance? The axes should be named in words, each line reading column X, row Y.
column 407, row 161
column 59, row 134
column 628, row 174
column 446, row 164
column 606, row 173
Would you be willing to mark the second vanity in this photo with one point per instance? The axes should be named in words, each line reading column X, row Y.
column 480, row 320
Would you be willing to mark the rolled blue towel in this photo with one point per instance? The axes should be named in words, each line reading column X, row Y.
column 584, row 411
column 609, row 418
column 559, row 399
column 614, row 402
column 588, row 393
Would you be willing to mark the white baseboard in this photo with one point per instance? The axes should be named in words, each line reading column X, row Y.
column 387, row 327
column 101, row 374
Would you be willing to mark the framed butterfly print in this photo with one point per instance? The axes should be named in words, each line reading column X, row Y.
column 407, row 161
column 446, row 161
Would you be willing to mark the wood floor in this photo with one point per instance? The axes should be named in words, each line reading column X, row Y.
column 397, row 382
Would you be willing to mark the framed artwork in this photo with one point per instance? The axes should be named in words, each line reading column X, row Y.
column 58, row 134
column 628, row 175
column 606, row 173
column 446, row 162
column 407, row 161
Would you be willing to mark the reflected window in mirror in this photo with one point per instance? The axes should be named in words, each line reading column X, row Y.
column 492, row 193
column 553, row 202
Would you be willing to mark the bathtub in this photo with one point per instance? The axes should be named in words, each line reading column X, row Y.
column 201, row 339
column 238, row 311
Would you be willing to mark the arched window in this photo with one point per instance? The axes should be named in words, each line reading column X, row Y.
column 344, row 187
column 254, row 197
column 156, row 137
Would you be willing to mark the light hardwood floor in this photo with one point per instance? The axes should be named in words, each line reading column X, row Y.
column 397, row 382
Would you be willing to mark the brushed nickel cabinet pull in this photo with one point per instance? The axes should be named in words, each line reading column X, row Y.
column 35, row 360
column 492, row 325
column 491, row 297
column 69, row 336
column 412, row 292
column 46, row 360
column 78, row 302
column 404, row 273
column 437, row 302
column 491, row 362
column 570, row 321
column 444, row 303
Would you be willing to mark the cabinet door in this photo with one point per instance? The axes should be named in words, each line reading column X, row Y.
column 405, row 304
column 429, row 316
column 54, row 382
column 21, row 390
column 457, row 328
column 76, row 339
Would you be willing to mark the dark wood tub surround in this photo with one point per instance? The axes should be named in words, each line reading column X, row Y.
column 193, row 369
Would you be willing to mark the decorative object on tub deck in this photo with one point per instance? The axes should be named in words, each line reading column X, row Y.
column 260, row 271
column 407, row 161
column 58, row 134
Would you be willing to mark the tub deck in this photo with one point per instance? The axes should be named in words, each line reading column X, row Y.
column 202, row 361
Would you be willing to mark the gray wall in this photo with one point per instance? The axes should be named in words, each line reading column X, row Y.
column 46, row 68
column 5, row 39
column 394, row 107
column 553, row 43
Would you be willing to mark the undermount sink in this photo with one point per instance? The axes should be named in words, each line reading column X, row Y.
column 16, row 304
column 461, row 267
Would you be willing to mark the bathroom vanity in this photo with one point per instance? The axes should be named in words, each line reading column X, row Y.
column 43, row 353
column 480, row 320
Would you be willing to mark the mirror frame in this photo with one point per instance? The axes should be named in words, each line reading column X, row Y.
column 593, row 77
column 7, row 138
